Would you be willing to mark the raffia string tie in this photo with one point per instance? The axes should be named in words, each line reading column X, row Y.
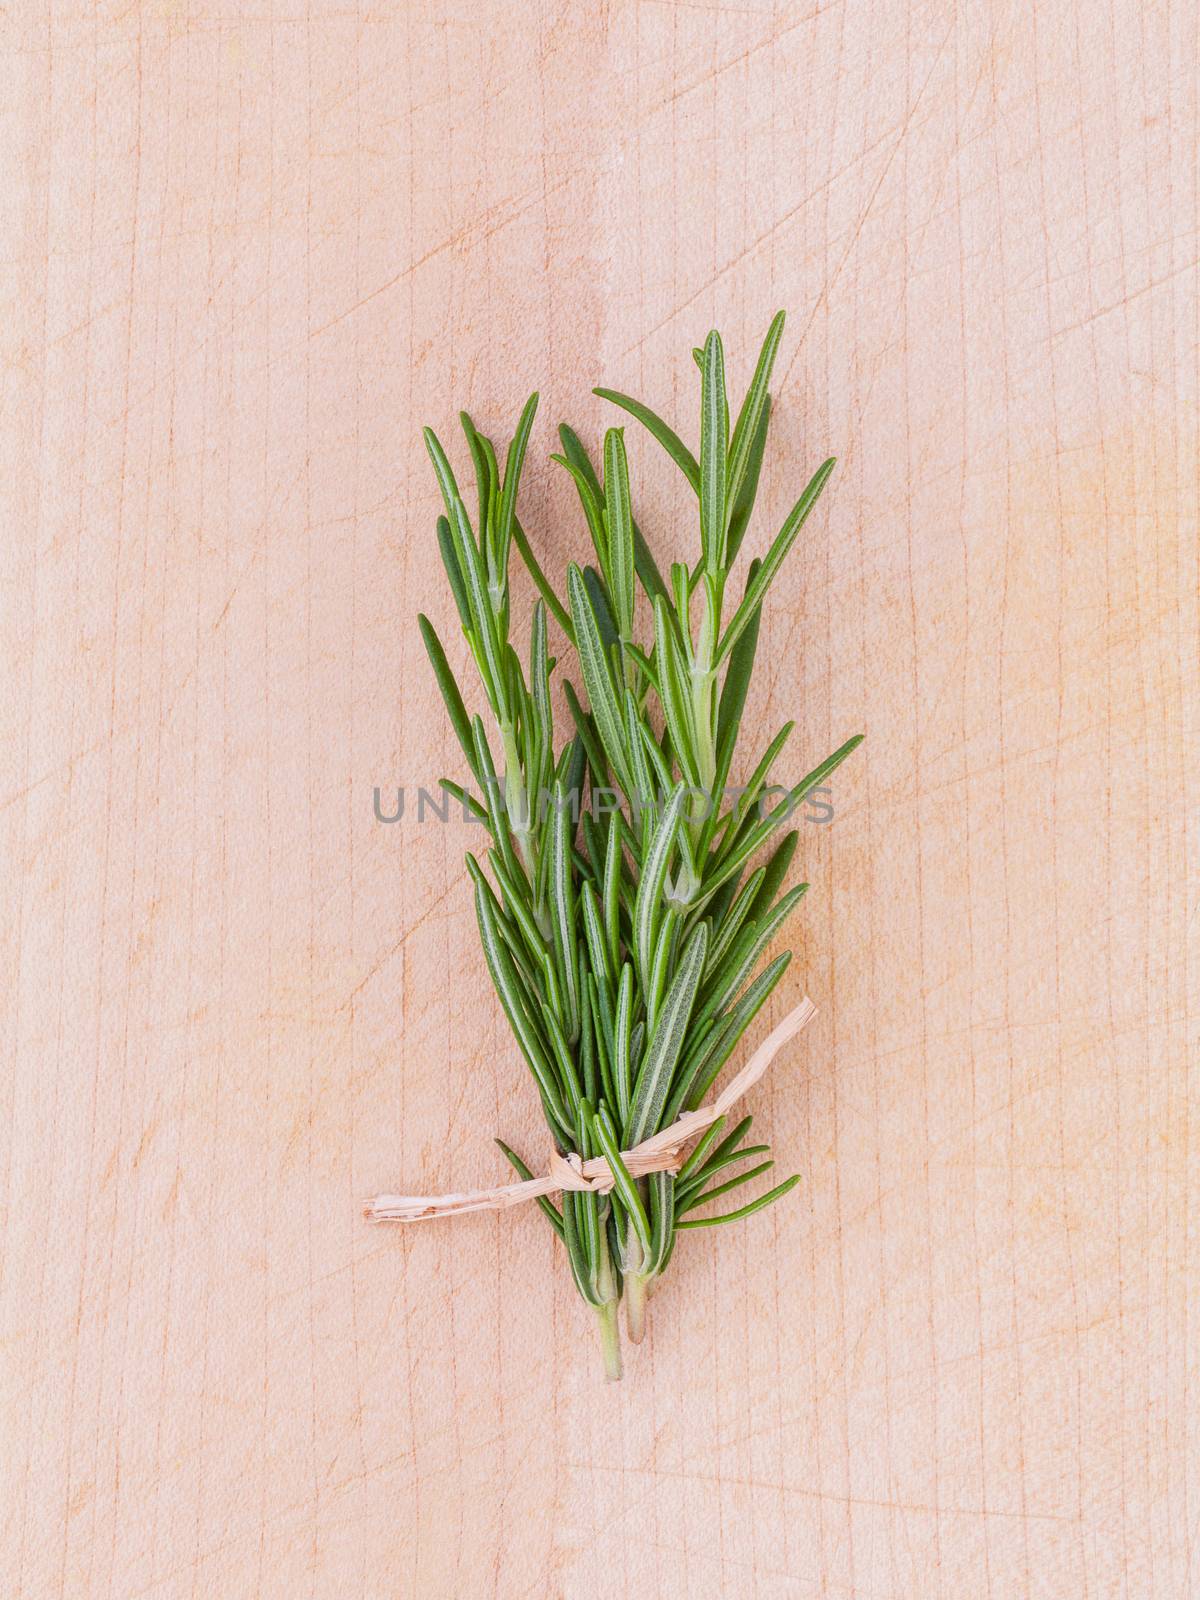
column 661, row 1152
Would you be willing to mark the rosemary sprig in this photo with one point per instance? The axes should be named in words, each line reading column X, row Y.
column 622, row 923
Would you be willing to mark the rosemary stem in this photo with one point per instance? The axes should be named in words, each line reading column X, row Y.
column 610, row 1340
column 703, row 679
column 706, row 755
column 635, row 1307
column 516, row 800
column 702, row 685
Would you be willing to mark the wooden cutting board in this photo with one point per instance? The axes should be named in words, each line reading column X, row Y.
column 249, row 250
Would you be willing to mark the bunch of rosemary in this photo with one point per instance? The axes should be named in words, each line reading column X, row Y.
column 621, row 930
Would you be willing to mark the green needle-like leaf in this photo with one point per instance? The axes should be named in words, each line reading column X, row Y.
column 757, row 780
column 736, row 686
column 596, row 676
column 648, row 905
column 562, row 902
column 733, row 1139
column 644, row 562
column 743, row 502
column 762, row 830
column 696, row 1160
column 686, row 1190
column 505, row 979
column 733, row 919
column 714, row 444
column 557, row 610
column 662, row 431
column 701, row 1067
column 666, row 1044
column 484, row 624
column 676, row 705
column 482, row 461
column 605, row 621
column 594, row 933
column 661, row 1189
column 623, row 1043
column 580, row 1240
column 691, row 1201
column 619, row 519
column 458, row 588
column 747, row 1210
column 612, row 894
column 442, row 470
column 660, row 967
column 549, row 1210
column 512, row 478
column 455, row 709
column 745, row 433
column 467, row 801
column 775, row 871
column 774, row 557
column 586, row 728
column 593, row 508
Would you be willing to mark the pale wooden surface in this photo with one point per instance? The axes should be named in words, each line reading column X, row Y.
column 247, row 251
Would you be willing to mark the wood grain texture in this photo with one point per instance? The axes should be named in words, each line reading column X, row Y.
column 248, row 250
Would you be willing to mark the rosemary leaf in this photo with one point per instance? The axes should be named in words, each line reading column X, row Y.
column 666, row 1042
column 747, row 1210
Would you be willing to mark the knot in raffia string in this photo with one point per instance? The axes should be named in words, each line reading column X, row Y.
column 661, row 1152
